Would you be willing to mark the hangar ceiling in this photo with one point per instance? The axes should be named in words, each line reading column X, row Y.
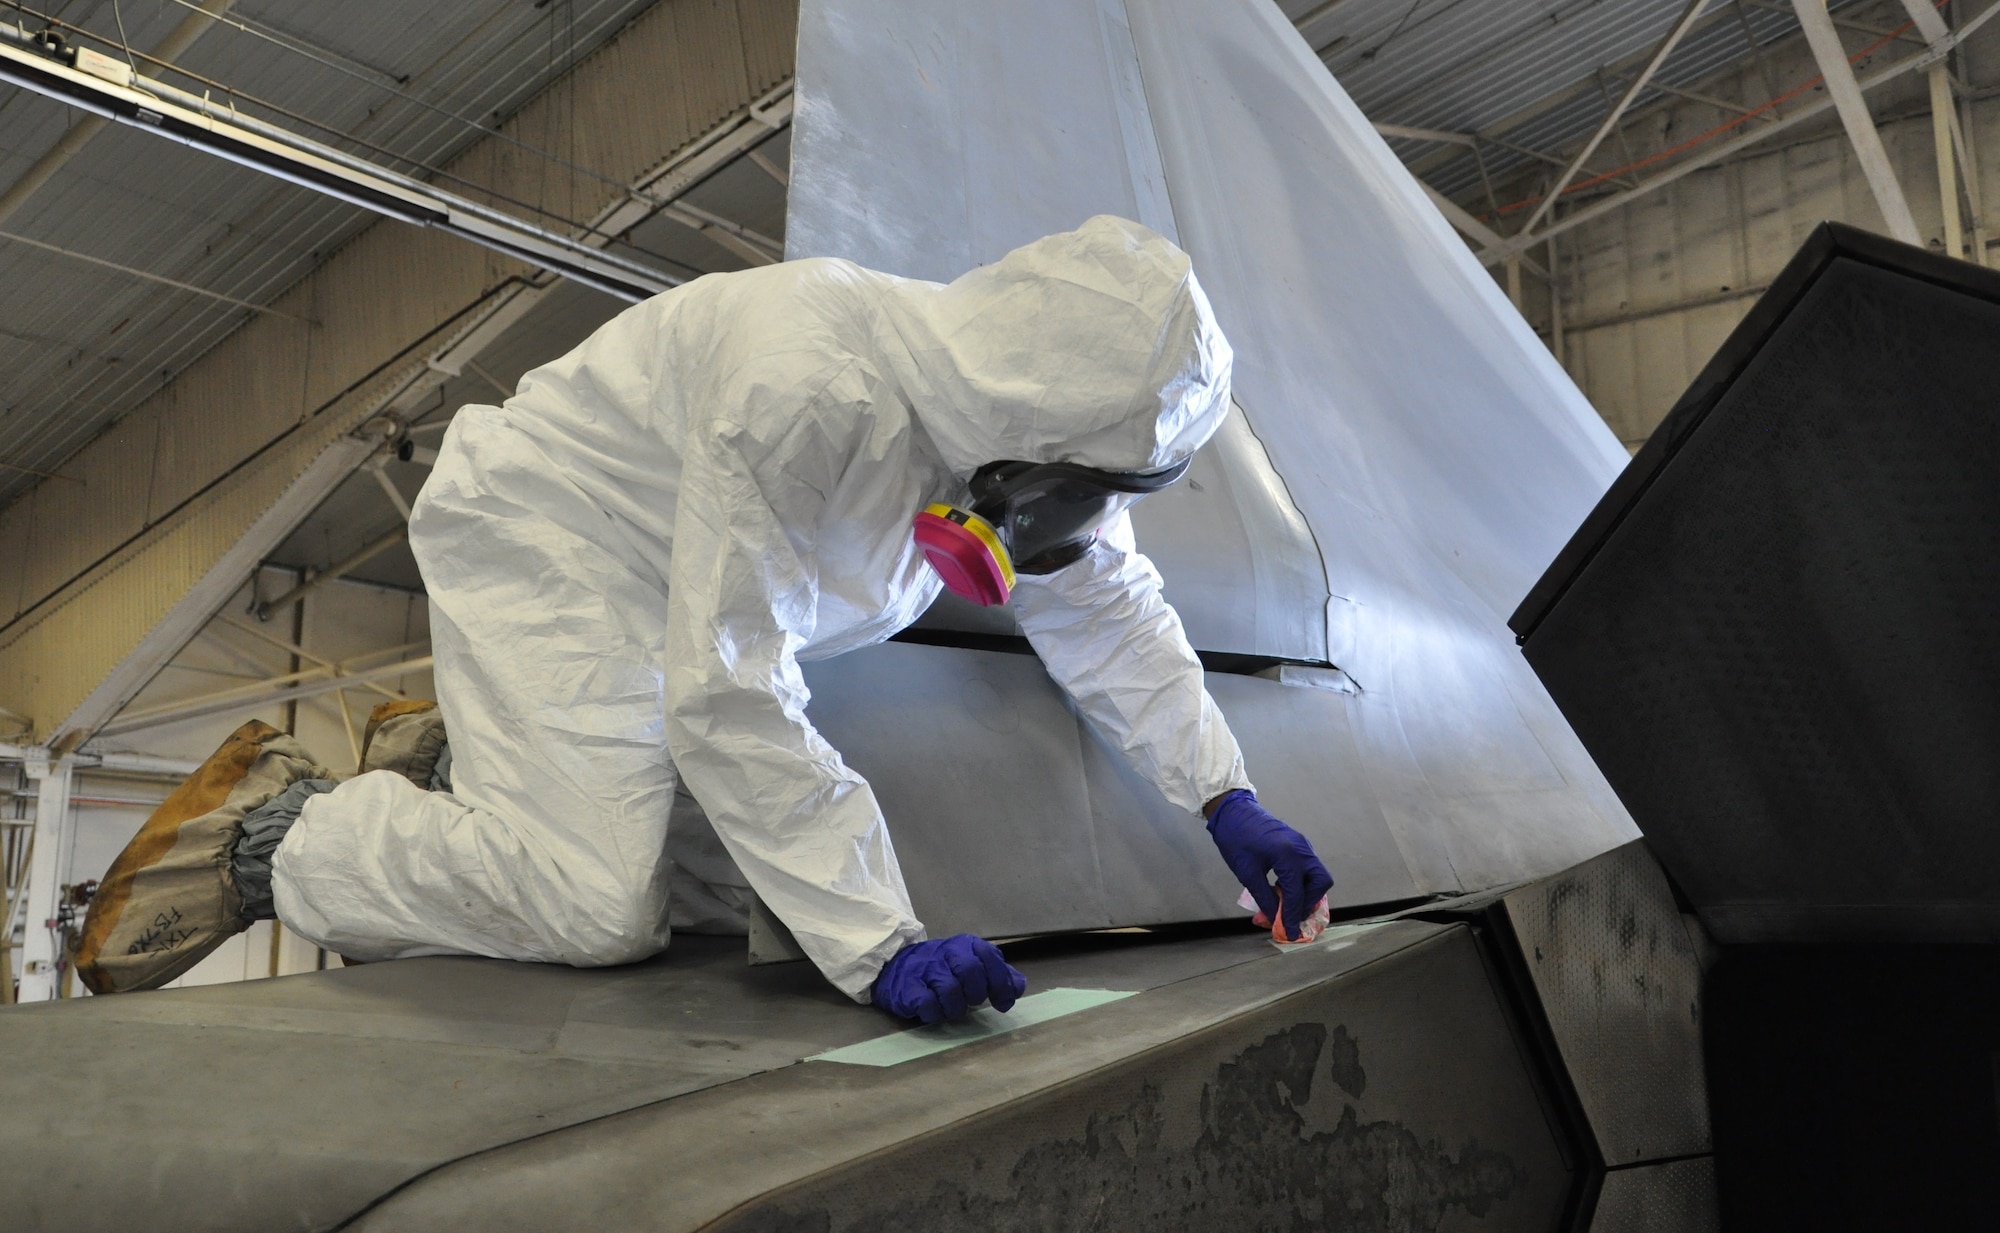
column 83, row 341
column 1522, row 84
column 1474, row 95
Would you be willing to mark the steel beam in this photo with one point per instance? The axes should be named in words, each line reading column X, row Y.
column 1757, row 56
column 1315, row 13
column 1966, row 29
column 1403, row 132
column 271, row 639
column 1541, row 106
column 753, row 246
column 1556, row 325
column 292, row 648
column 782, row 176
column 1726, row 150
column 1464, row 220
column 1937, row 37
column 1468, row 225
column 1866, row 29
column 1638, row 83
column 107, row 88
column 1708, row 100
column 1965, row 140
column 1929, row 22
column 137, row 764
column 54, row 832
column 295, row 686
column 389, row 489
column 12, row 898
column 359, row 558
column 1947, row 163
column 1827, row 49
column 144, row 765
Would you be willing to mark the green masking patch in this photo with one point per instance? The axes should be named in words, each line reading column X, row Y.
column 979, row 1025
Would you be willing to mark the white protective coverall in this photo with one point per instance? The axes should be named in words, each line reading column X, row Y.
column 627, row 561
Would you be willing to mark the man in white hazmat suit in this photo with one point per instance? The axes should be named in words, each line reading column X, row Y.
column 629, row 559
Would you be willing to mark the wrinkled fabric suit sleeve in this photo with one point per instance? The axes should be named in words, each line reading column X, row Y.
column 1110, row 639
column 804, row 828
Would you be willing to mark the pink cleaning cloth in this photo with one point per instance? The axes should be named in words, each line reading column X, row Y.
column 1309, row 928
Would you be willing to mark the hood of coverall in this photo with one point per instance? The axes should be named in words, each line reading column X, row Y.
column 1094, row 346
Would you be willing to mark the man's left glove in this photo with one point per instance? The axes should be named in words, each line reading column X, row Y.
column 945, row 979
column 1255, row 846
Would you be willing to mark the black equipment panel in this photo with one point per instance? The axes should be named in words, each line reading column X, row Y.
column 1776, row 633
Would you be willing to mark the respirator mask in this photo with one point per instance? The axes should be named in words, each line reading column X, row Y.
column 1027, row 518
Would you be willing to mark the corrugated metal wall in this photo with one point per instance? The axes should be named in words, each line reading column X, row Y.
column 1651, row 291
column 57, row 654
column 87, row 569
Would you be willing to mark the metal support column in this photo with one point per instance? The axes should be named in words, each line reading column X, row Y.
column 55, row 830
column 1941, row 106
column 1556, row 306
column 1841, row 85
column 17, row 849
column 1966, row 135
column 1937, row 35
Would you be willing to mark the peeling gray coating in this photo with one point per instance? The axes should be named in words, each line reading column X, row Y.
column 1254, row 1165
column 1344, row 1064
column 1125, row 1117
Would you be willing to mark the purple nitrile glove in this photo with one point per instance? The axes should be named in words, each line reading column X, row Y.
column 945, row 979
column 1255, row 845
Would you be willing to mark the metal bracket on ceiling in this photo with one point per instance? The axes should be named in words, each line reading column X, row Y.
column 194, row 121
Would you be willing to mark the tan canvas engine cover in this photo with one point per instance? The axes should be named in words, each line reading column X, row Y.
column 405, row 737
column 170, row 898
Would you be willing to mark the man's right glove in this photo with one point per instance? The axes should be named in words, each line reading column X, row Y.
column 945, row 979
column 1255, row 845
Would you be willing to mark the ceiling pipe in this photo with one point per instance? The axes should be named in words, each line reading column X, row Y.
column 71, row 143
column 101, row 84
